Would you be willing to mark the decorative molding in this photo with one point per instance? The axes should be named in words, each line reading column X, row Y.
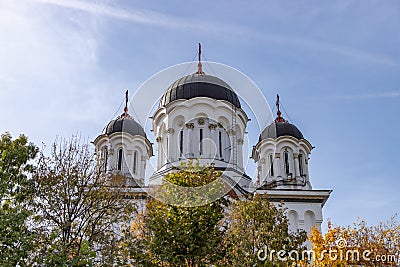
column 190, row 125
column 201, row 121
column 212, row 126
column 220, row 125
column 240, row 141
column 159, row 139
column 262, row 160
column 277, row 155
column 170, row 131
column 231, row 132
column 295, row 155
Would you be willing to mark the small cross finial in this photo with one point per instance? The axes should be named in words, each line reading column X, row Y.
column 125, row 114
column 199, row 52
column 126, row 102
column 278, row 112
column 199, row 65
column 277, row 105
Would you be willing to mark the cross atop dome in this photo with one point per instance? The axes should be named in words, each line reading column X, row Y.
column 278, row 112
column 199, row 65
column 126, row 114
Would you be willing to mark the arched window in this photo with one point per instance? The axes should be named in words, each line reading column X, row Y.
column 220, row 143
column 201, row 142
column 181, row 143
column 119, row 160
column 104, row 158
column 167, row 148
column 301, row 164
column 309, row 221
column 286, row 162
column 271, row 165
column 135, row 161
column 293, row 218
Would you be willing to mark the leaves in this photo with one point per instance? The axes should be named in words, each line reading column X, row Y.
column 79, row 211
column 171, row 235
column 381, row 239
column 15, row 192
column 255, row 224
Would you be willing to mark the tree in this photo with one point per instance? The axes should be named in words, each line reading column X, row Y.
column 15, row 193
column 257, row 228
column 358, row 244
column 80, row 211
column 167, row 234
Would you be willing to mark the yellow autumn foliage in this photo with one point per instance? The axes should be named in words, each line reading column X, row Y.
column 356, row 245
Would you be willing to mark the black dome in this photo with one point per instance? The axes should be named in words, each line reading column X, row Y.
column 277, row 129
column 124, row 124
column 200, row 85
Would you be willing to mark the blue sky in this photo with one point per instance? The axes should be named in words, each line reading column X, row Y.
column 65, row 64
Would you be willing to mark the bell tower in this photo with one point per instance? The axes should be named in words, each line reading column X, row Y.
column 124, row 148
column 282, row 157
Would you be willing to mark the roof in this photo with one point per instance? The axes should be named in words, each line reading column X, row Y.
column 199, row 85
column 124, row 124
column 278, row 129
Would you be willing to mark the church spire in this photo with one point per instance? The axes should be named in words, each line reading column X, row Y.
column 278, row 112
column 199, row 65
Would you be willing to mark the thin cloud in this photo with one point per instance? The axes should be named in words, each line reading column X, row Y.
column 148, row 17
column 325, row 46
column 372, row 95
column 137, row 15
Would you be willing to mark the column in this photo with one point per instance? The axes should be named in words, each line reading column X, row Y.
column 171, row 145
column 239, row 151
column 188, row 144
column 262, row 171
column 232, row 145
column 214, row 138
column 296, row 165
column 160, row 152
column 306, row 169
column 278, row 166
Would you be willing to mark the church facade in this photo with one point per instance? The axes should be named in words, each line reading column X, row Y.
column 200, row 117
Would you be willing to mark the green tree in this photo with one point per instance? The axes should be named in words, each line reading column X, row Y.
column 175, row 235
column 15, row 193
column 80, row 211
column 254, row 225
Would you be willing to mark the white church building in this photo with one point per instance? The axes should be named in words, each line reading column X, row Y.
column 200, row 117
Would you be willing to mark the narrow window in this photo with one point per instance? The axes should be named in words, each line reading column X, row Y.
column 201, row 142
column 301, row 164
column 167, row 148
column 119, row 166
column 271, row 165
column 181, row 143
column 220, row 143
column 135, row 160
column 105, row 158
column 286, row 159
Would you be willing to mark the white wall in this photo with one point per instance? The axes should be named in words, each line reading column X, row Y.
column 210, row 115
